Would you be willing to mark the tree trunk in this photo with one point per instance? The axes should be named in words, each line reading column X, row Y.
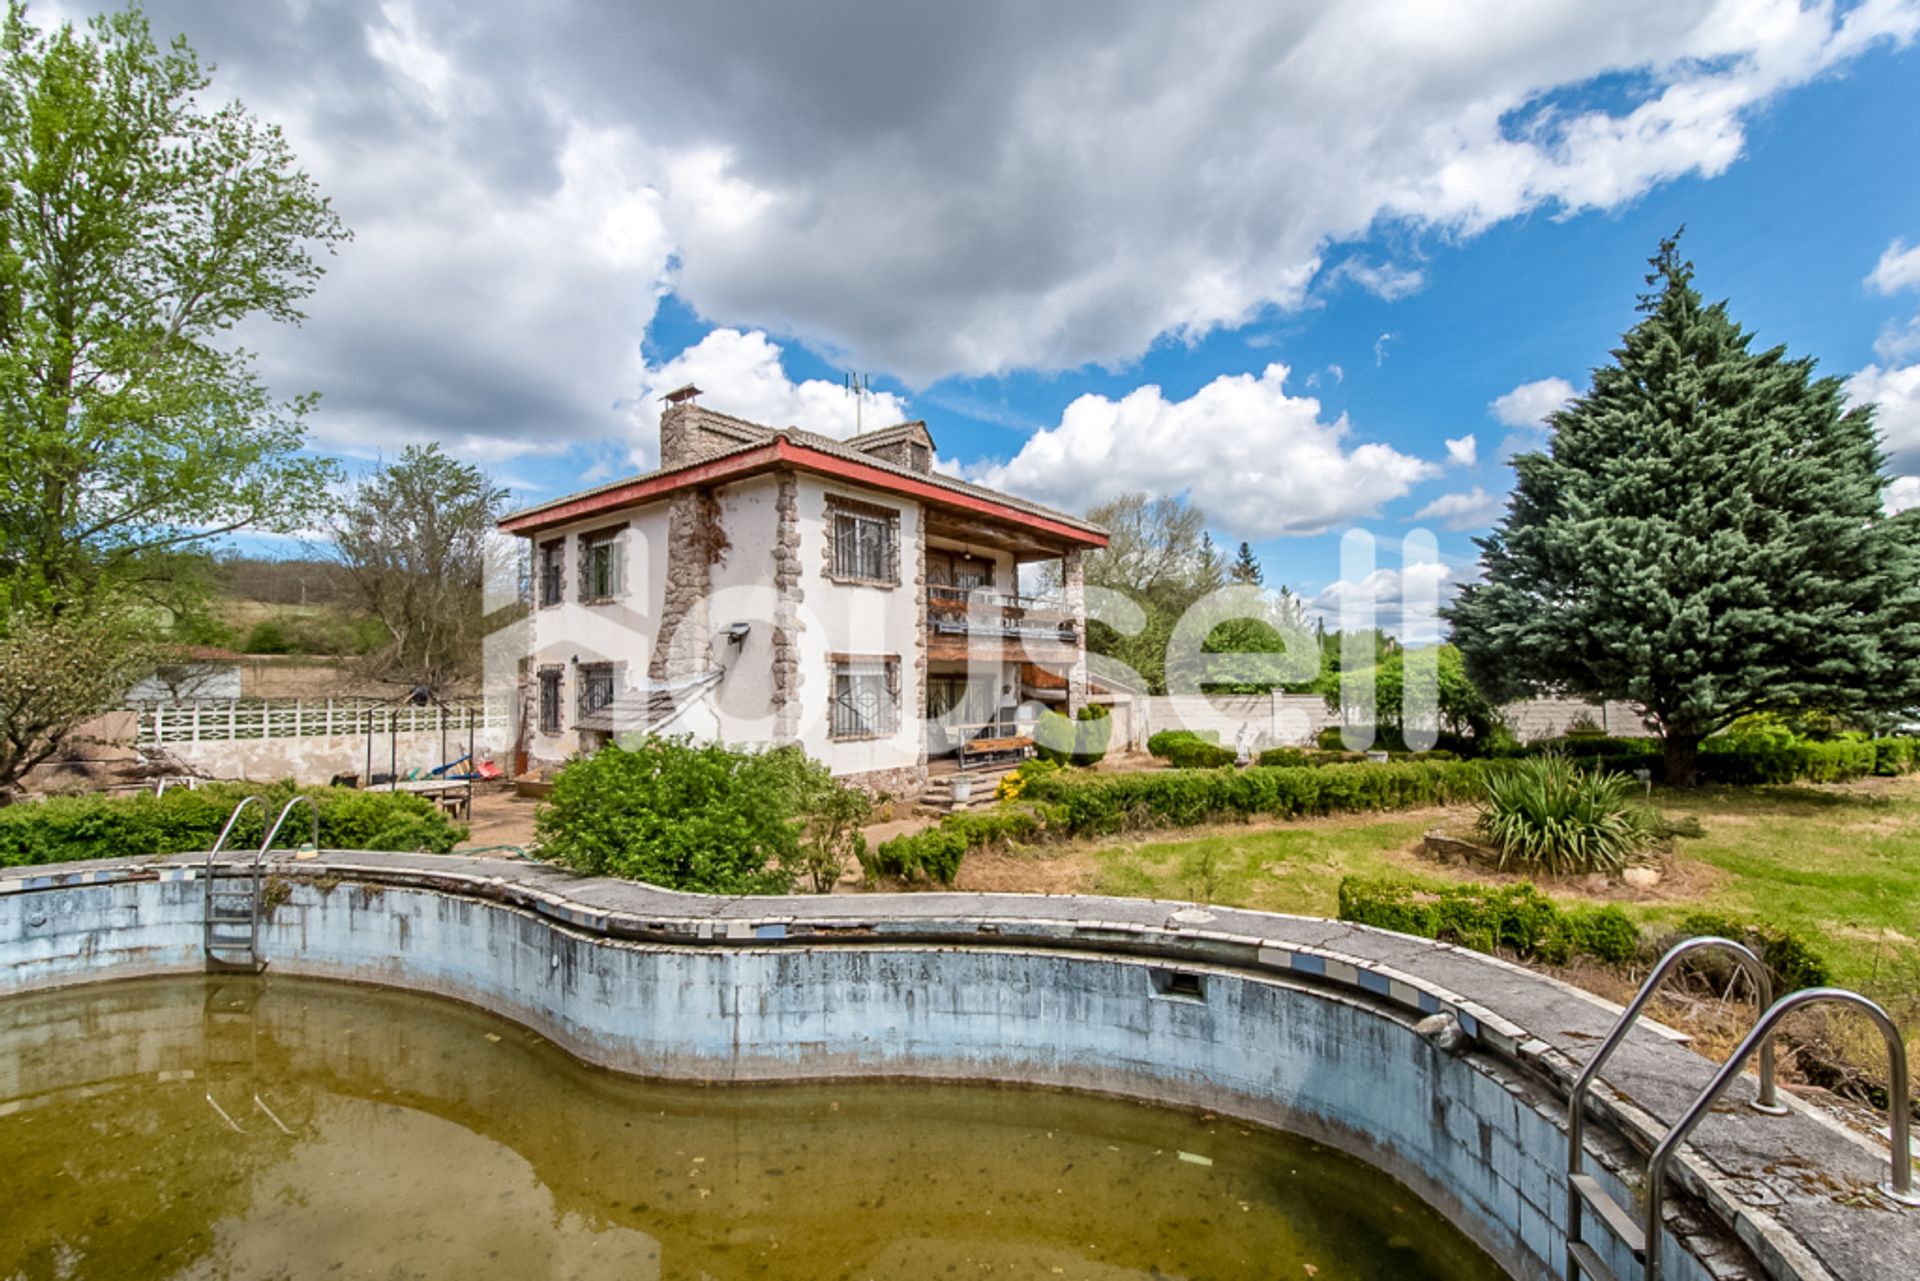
column 1682, row 756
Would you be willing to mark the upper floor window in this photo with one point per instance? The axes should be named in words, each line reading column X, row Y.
column 552, row 566
column 602, row 569
column 864, row 542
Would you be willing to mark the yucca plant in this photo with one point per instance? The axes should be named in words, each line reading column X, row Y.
column 1546, row 814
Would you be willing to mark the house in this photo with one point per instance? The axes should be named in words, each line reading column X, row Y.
column 774, row 586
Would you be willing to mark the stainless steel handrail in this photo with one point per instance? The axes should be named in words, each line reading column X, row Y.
column 1767, row 1102
column 1899, row 1185
column 313, row 818
column 220, row 843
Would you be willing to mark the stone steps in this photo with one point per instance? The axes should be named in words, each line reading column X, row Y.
column 986, row 779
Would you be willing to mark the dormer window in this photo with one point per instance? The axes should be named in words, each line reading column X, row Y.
column 919, row 457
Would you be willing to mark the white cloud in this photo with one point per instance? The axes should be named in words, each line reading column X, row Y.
column 1386, row 280
column 1529, row 404
column 741, row 374
column 1380, row 347
column 1474, row 510
column 1894, row 393
column 1897, row 342
column 1898, row 268
column 1463, row 452
column 1258, row 461
column 941, row 189
column 1386, row 590
column 1902, row 493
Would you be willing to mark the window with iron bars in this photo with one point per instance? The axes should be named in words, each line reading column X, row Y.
column 866, row 698
column 550, row 700
column 596, row 687
column 552, row 571
column 601, row 567
column 863, row 546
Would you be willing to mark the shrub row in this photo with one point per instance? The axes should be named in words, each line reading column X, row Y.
column 935, row 853
column 1177, row 798
column 1511, row 918
column 1185, row 749
column 1520, row 920
column 62, row 829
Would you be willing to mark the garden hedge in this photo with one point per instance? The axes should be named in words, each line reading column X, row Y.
column 63, row 829
column 1511, row 918
column 1110, row 803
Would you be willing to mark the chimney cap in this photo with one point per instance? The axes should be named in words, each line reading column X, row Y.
column 681, row 395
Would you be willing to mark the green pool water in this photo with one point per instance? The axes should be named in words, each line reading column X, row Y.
column 278, row 1128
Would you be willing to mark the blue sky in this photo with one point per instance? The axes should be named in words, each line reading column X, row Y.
column 1019, row 225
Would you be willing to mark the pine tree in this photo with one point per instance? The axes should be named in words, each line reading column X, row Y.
column 1704, row 536
column 1246, row 567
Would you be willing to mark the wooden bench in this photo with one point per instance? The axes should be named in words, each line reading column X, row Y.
column 976, row 751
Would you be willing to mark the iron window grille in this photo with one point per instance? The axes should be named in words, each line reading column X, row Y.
column 866, row 698
column 596, row 687
column 601, row 566
column 863, row 546
column 553, row 558
column 549, row 700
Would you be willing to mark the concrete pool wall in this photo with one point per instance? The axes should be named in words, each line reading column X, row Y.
column 1304, row 1025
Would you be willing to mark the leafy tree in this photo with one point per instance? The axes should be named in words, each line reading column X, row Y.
column 57, row 670
column 1246, row 567
column 1463, row 710
column 413, row 539
column 138, row 228
column 1161, row 560
column 1704, row 536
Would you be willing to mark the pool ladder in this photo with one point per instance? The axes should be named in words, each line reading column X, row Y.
column 230, row 930
column 1642, row 1235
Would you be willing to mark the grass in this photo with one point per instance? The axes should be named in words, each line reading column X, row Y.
column 1839, row 864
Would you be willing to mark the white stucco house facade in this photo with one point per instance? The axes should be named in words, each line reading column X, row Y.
column 772, row 586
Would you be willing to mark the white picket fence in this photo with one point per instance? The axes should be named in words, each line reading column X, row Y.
column 237, row 719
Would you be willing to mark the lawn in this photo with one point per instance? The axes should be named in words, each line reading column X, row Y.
column 1840, row 864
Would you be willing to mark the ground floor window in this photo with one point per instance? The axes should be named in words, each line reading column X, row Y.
column 549, row 700
column 596, row 687
column 866, row 696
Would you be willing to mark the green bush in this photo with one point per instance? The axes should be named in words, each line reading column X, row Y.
column 935, row 853
column 1082, row 741
column 1792, row 962
column 1518, row 919
column 1196, row 753
column 268, row 637
column 1160, row 743
column 665, row 811
column 1108, row 803
column 1285, row 758
column 1782, row 758
column 1894, row 755
column 1548, row 814
column 63, row 829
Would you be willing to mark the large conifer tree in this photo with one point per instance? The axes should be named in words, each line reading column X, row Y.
column 1703, row 536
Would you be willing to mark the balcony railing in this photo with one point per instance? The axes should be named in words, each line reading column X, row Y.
column 979, row 611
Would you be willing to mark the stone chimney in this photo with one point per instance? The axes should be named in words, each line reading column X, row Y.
column 680, row 434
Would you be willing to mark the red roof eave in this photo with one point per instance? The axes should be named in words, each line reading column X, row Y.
column 781, row 451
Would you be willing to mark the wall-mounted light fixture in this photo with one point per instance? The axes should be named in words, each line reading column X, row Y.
column 737, row 633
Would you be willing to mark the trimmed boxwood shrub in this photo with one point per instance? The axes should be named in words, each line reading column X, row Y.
column 1518, row 919
column 1080, row 741
column 1162, row 742
column 63, row 829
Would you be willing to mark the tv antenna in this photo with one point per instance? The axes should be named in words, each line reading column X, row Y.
column 859, row 386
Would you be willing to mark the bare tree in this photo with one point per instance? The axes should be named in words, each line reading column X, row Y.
column 413, row 538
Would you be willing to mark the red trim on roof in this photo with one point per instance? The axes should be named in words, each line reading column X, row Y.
column 779, row 451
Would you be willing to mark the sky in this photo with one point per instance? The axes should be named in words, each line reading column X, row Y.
column 1314, row 268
